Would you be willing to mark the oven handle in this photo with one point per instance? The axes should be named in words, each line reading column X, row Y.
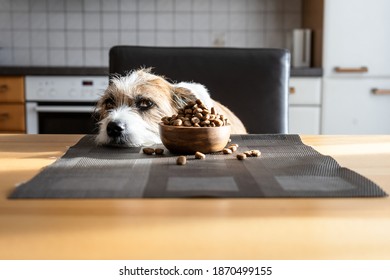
column 64, row 109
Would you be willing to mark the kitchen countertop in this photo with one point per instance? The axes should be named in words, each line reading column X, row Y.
column 103, row 71
column 341, row 228
column 54, row 71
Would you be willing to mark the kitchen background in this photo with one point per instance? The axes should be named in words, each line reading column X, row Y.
column 80, row 33
column 345, row 89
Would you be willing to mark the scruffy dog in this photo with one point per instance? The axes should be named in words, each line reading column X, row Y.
column 133, row 105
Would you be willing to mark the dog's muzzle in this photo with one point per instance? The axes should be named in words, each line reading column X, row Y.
column 115, row 129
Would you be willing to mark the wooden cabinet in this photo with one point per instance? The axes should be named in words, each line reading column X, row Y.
column 305, row 105
column 12, row 112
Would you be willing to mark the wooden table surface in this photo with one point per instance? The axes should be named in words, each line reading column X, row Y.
column 355, row 228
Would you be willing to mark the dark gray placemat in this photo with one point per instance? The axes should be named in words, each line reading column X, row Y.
column 286, row 168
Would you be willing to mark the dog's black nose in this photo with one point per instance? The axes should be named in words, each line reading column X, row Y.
column 114, row 129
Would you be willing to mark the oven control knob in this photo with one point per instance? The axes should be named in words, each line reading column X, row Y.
column 52, row 92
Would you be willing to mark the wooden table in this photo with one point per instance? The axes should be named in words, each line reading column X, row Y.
column 357, row 228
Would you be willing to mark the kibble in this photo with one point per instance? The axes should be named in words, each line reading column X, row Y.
column 148, row 151
column 253, row 153
column 159, row 151
column 227, row 151
column 177, row 122
column 195, row 120
column 241, row 156
column 195, row 114
column 233, row 148
column 248, row 153
column 187, row 123
column 199, row 155
column 181, row 160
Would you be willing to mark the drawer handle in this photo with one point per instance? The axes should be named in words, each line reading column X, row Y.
column 380, row 91
column 362, row 69
column 3, row 88
column 292, row 90
column 4, row 116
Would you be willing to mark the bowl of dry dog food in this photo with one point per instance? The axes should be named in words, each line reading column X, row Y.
column 195, row 129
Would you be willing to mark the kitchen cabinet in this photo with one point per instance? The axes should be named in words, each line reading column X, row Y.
column 356, row 38
column 12, row 113
column 305, row 105
column 356, row 62
column 357, row 106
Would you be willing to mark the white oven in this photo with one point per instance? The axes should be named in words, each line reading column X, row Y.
column 62, row 104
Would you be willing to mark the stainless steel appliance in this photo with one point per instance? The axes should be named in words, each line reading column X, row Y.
column 301, row 48
column 62, row 104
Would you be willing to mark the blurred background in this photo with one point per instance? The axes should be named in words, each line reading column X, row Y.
column 80, row 32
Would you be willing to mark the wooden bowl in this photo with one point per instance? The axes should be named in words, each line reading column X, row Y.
column 188, row 140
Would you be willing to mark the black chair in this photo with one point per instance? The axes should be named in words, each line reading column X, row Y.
column 253, row 83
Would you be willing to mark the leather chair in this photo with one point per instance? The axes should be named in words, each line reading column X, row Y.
column 253, row 83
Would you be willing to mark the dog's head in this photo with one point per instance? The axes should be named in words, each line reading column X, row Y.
column 132, row 106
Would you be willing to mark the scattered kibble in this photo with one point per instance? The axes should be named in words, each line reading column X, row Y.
column 181, row 160
column 241, row 156
column 199, row 155
column 253, row 153
column 233, row 148
column 159, row 151
column 148, row 151
column 227, row 151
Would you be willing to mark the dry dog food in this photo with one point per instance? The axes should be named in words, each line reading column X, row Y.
column 252, row 153
column 199, row 155
column 241, row 156
column 148, row 151
column 227, row 151
column 233, row 147
column 195, row 114
column 181, row 160
column 151, row 151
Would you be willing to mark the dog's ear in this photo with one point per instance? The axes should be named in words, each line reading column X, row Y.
column 181, row 96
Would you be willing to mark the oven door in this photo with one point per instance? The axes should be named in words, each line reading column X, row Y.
column 60, row 118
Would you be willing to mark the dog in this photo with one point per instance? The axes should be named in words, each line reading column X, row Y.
column 132, row 106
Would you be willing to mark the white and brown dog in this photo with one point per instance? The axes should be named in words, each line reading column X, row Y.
column 133, row 105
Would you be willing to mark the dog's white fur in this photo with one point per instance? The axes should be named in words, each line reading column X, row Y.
column 125, row 97
column 138, row 132
column 199, row 91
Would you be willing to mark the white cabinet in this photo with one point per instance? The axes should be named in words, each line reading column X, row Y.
column 304, row 120
column 352, row 107
column 356, row 60
column 305, row 105
column 357, row 34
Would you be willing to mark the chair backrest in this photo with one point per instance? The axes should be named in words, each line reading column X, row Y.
column 253, row 83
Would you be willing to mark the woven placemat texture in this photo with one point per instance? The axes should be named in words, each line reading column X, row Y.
column 286, row 168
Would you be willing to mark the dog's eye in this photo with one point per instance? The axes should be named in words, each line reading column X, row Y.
column 109, row 104
column 144, row 104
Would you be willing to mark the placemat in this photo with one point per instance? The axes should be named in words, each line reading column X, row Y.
column 286, row 168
